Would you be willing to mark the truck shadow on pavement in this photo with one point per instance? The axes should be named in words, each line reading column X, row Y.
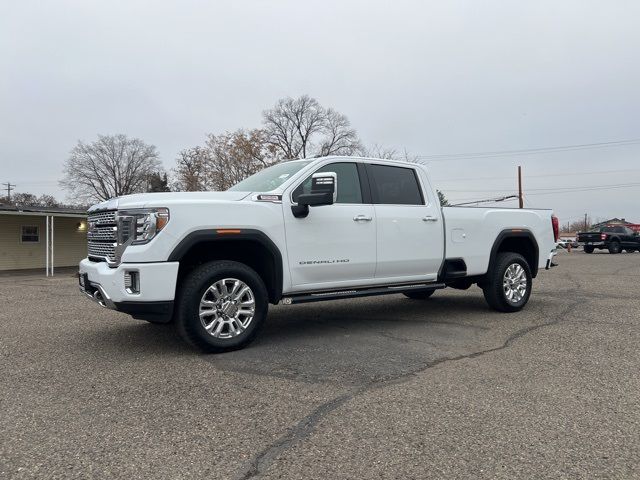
column 344, row 342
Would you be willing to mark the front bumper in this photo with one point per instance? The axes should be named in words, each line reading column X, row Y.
column 157, row 288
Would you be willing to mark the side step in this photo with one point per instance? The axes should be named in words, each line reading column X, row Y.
column 355, row 292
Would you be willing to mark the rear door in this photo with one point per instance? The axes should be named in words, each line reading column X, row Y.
column 409, row 225
column 335, row 245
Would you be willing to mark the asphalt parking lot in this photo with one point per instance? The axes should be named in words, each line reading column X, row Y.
column 383, row 387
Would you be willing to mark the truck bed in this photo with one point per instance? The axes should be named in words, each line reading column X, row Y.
column 470, row 232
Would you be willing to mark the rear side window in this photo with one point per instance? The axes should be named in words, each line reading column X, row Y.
column 395, row 185
column 348, row 183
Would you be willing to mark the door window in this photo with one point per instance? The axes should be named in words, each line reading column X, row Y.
column 395, row 185
column 349, row 190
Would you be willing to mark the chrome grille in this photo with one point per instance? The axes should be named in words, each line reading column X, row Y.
column 103, row 218
column 102, row 235
column 103, row 250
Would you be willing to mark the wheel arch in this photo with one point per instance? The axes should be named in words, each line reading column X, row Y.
column 520, row 241
column 251, row 247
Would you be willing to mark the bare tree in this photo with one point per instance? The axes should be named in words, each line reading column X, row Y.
column 190, row 170
column 30, row 200
column 378, row 151
column 237, row 155
column 225, row 160
column 301, row 128
column 158, row 182
column 339, row 137
column 577, row 226
column 111, row 166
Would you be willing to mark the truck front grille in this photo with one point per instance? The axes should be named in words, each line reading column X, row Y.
column 102, row 236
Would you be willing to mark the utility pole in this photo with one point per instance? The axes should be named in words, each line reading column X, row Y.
column 585, row 222
column 520, row 198
column 9, row 188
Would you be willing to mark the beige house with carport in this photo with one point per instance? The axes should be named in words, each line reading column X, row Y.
column 41, row 238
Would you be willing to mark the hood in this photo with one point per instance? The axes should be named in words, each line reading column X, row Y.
column 142, row 200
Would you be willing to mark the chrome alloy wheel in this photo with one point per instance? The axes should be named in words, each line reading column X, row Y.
column 514, row 283
column 227, row 308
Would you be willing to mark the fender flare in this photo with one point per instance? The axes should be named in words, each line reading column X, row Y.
column 516, row 233
column 230, row 235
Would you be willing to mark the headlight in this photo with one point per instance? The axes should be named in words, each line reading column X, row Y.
column 138, row 226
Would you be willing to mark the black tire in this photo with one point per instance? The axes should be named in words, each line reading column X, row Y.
column 419, row 294
column 493, row 289
column 194, row 287
column 588, row 249
column 614, row 247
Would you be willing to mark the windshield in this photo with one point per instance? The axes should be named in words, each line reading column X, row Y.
column 270, row 178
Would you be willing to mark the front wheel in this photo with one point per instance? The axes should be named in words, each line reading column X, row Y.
column 588, row 249
column 221, row 306
column 509, row 282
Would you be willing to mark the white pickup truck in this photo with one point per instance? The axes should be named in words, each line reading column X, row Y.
column 303, row 231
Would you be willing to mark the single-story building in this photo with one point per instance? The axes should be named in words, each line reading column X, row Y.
column 41, row 237
column 616, row 222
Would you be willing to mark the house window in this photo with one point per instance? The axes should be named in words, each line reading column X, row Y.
column 30, row 234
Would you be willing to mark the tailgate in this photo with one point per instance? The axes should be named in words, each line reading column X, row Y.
column 589, row 237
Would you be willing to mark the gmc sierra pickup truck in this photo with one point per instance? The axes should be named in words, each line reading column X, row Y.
column 303, row 231
column 614, row 238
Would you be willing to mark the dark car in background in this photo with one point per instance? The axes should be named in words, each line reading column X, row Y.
column 612, row 238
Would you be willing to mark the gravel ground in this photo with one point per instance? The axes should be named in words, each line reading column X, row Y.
column 382, row 387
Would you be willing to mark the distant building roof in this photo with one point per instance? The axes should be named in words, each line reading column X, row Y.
column 55, row 211
column 613, row 221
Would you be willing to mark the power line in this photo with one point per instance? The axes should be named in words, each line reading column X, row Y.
column 488, row 200
column 598, row 187
column 40, row 182
column 563, row 174
column 621, row 185
column 591, row 189
column 526, row 151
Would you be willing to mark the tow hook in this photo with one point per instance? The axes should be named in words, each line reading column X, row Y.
column 98, row 297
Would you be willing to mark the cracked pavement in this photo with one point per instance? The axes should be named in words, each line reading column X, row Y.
column 381, row 387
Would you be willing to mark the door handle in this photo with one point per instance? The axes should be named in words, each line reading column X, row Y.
column 429, row 218
column 362, row 218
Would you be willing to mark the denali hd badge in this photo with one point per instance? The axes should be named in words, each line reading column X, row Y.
column 322, row 262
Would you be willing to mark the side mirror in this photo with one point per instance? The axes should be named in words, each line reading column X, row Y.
column 323, row 192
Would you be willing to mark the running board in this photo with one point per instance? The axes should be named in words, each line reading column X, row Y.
column 354, row 293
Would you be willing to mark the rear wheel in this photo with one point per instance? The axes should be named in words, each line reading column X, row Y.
column 588, row 249
column 614, row 247
column 221, row 306
column 508, row 284
column 419, row 294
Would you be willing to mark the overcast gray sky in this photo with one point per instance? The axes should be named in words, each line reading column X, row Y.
column 440, row 77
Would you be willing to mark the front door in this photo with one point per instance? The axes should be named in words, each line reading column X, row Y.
column 335, row 245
